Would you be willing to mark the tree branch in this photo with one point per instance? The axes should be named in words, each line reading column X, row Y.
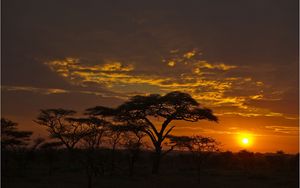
column 151, row 125
column 169, row 150
column 150, row 134
column 168, row 132
column 164, row 125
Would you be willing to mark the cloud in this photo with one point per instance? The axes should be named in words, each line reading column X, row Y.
column 52, row 91
column 171, row 63
column 284, row 129
column 190, row 54
column 46, row 91
column 212, row 87
column 220, row 66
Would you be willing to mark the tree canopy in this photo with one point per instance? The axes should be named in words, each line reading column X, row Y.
column 138, row 111
column 11, row 137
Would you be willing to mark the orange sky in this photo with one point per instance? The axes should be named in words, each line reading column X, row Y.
column 238, row 58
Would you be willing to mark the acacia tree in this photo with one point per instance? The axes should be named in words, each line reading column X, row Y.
column 11, row 137
column 115, row 138
column 132, row 141
column 93, row 130
column 122, row 129
column 172, row 106
column 140, row 110
column 60, row 126
column 201, row 147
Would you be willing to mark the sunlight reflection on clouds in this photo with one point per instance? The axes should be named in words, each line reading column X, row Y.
column 188, row 72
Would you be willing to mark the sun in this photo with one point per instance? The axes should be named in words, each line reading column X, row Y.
column 245, row 139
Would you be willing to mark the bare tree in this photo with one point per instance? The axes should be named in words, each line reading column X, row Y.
column 60, row 126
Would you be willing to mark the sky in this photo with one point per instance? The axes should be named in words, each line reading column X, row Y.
column 238, row 58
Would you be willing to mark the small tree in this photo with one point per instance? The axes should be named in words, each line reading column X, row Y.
column 200, row 146
column 59, row 126
column 11, row 137
column 93, row 130
column 133, row 143
column 115, row 137
column 15, row 140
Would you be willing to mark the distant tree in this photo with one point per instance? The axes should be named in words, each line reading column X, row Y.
column 280, row 152
column 246, row 159
column 180, row 142
column 132, row 141
column 93, row 130
column 200, row 146
column 60, row 126
column 11, row 137
column 122, row 129
column 114, row 139
column 13, row 140
column 37, row 142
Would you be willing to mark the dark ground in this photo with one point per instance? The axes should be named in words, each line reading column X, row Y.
column 60, row 170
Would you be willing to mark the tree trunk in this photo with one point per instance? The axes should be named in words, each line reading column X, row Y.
column 156, row 161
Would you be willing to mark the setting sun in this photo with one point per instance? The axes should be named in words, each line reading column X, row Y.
column 245, row 139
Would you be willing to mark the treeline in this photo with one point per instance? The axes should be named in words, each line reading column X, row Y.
column 98, row 141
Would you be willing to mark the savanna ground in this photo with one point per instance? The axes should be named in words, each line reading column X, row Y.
column 59, row 169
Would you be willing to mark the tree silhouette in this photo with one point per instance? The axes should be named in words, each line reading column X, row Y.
column 200, row 146
column 181, row 142
column 92, row 132
column 132, row 141
column 11, row 137
column 60, row 126
column 139, row 110
column 172, row 106
column 13, row 140
column 123, row 129
column 115, row 137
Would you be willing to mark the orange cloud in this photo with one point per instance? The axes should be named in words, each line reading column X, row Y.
column 209, row 88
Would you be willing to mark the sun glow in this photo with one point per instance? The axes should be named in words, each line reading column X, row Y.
column 245, row 139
